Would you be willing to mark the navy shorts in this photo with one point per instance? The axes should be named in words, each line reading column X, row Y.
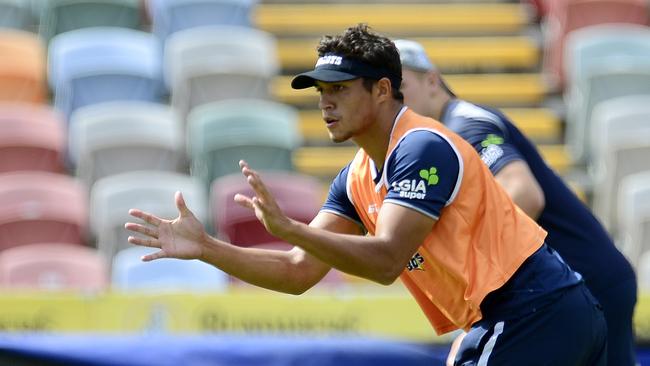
column 570, row 331
column 618, row 303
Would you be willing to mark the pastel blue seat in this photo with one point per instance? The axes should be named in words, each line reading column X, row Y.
column 162, row 275
column 170, row 16
column 93, row 65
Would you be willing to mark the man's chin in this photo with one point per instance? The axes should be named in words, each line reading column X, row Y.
column 338, row 139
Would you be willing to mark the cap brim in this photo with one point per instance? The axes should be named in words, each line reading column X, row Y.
column 309, row 78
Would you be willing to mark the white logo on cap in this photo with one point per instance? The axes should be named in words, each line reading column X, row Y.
column 329, row 60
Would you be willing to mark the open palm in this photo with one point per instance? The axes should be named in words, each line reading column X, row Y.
column 181, row 238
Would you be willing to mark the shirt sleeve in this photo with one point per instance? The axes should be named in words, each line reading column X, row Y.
column 490, row 139
column 423, row 173
column 337, row 201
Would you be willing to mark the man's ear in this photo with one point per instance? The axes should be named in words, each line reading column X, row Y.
column 383, row 88
column 433, row 79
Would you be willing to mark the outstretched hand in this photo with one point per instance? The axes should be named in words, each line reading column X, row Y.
column 182, row 237
column 263, row 203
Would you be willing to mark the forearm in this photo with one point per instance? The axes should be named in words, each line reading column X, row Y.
column 521, row 185
column 275, row 270
column 368, row 257
column 529, row 202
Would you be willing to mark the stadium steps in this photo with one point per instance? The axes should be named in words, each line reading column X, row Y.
column 299, row 19
column 488, row 51
column 450, row 54
column 541, row 125
column 504, row 89
column 327, row 161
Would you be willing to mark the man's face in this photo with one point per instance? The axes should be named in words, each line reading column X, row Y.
column 347, row 107
column 418, row 90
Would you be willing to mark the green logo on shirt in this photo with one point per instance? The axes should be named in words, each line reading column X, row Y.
column 492, row 139
column 430, row 175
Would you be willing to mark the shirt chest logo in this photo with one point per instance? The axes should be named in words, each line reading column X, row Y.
column 417, row 188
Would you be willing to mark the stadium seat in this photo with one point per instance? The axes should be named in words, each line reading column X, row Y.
column 643, row 270
column 621, row 159
column 299, row 196
column 603, row 44
column 628, row 76
column 16, row 14
column 60, row 16
column 93, row 65
column 114, row 137
column 41, row 207
column 221, row 133
column 212, row 63
column 22, row 67
column 617, row 120
column 621, row 126
column 130, row 273
column 53, row 266
column 32, row 137
column 566, row 16
column 170, row 16
column 634, row 218
column 151, row 191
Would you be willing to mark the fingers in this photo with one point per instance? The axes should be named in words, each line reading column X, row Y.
column 145, row 242
column 254, row 180
column 181, row 206
column 142, row 229
column 146, row 217
column 157, row 255
column 244, row 201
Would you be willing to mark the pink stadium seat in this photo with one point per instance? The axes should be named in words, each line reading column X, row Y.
column 298, row 195
column 32, row 137
column 41, row 207
column 53, row 266
column 565, row 16
column 22, row 67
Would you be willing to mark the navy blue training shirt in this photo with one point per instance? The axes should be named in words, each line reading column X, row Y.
column 573, row 231
column 403, row 177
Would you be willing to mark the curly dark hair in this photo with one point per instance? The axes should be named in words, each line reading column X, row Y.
column 362, row 44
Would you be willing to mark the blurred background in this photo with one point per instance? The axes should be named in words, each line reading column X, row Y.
column 107, row 105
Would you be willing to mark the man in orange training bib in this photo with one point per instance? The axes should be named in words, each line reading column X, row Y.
column 435, row 216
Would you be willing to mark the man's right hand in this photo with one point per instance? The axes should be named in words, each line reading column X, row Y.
column 181, row 238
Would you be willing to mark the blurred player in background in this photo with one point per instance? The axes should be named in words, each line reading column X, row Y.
column 517, row 165
column 436, row 218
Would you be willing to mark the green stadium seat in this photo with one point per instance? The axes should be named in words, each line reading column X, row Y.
column 221, row 133
column 59, row 16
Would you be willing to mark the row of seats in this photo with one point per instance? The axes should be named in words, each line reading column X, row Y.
column 198, row 61
column 45, row 212
column 607, row 78
column 563, row 17
column 52, row 17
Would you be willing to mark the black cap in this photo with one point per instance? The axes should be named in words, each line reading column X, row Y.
column 332, row 68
